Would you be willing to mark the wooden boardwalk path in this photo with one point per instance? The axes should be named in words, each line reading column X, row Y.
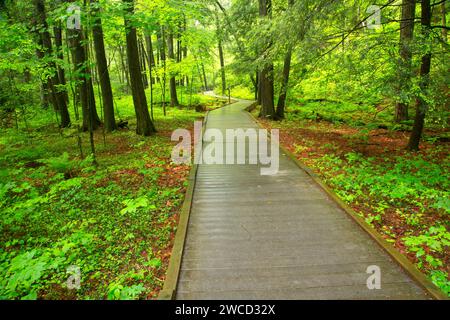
column 276, row 237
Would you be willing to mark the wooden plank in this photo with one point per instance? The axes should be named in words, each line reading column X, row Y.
column 272, row 237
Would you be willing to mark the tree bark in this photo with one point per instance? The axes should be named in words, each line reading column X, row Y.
column 421, row 104
column 405, row 60
column 284, row 86
column 83, row 73
column 143, row 62
column 204, row 77
column 150, row 56
column 151, row 64
column 57, row 30
column 184, row 54
column 173, row 85
column 266, row 74
column 145, row 125
column 162, row 50
column 256, row 86
column 281, row 106
column 222, row 68
column 44, row 40
column 444, row 21
column 103, row 72
column 124, row 67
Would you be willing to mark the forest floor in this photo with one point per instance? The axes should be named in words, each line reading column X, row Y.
column 404, row 196
column 113, row 224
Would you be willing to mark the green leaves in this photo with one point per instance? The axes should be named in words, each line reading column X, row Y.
column 434, row 240
column 22, row 273
column 408, row 180
column 120, row 292
column 154, row 263
column 440, row 278
column 132, row 205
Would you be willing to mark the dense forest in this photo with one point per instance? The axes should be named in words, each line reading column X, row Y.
column 90, row 92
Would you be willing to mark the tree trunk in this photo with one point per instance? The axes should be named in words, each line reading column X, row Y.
column 405, row 61
column 44, row 39
column 150, row 56
column 145, row 125
column 151, row 64
column 284, row 86
column 143, row 62
column 85, row 86
column 124, row 67
column 444, row 22
column 59, row 49
column 44, row 95
column 102, row 67
column 204, row 77
column 421, row 104
column 184, row 54
column 160, row 46
column 266, row 74
column 255, row 82
column 179, row 55
column 222, row 68
column 162, row 50
column 281, row 106
column 173, row 85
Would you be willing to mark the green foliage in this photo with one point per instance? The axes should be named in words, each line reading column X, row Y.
column 408, row 181
column 113, row 221
column 132, row 205
column 435, row 240
column 416, row 187
column 119, row 292
column 441, row 279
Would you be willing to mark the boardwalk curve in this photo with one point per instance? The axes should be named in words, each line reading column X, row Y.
column 251, row 236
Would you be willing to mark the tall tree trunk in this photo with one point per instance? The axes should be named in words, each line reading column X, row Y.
column 162, row 53
column 284, row 85
column 266, row 74
column 124, row 67
column 150, row 56
column 85, row 87
column 102, row 67
column 143, row 62
column 444, row 21
column 151, row 64
column 222, row 68
column 405, row 61
column 178, row 50
column 173, row 85
column 45, row 100
column 145, row 125
column 421, row 104
column 59, row 49
column 255, row 82
column 44, row 39
column 281, row 106
column 184, row 53
column 46, row 94
column 204, row 76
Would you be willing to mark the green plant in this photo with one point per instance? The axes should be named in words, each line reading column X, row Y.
column 120, row 292
column 435, row 239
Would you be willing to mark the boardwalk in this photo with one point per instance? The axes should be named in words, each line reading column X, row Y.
column 276, row 237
